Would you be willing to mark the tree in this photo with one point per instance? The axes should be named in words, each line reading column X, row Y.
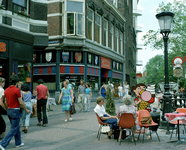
column 110, row 104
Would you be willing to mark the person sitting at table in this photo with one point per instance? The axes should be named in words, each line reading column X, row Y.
column 105, row 117
column 127, row 108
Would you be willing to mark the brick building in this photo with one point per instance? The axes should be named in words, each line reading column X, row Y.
column 23, row 29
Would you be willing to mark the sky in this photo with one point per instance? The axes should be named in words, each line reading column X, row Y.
column 148, row 22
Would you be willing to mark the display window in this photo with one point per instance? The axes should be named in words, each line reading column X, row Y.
column 93, row 80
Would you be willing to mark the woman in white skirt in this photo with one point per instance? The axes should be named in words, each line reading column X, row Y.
column 88, row 95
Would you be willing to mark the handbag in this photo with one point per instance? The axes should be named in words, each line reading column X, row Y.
column 146, row 120
column 72, row 109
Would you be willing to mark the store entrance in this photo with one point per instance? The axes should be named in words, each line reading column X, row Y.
column 105, row 75
column 4, row 69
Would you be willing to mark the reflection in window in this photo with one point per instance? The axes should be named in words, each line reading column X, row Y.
column 70, row 23
column 90, row 24
column 98, row 28
column 93, row 80
column 79, row 24
column 105, row 43
column 117, row 41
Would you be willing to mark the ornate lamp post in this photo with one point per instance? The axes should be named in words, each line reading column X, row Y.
column 165, row 19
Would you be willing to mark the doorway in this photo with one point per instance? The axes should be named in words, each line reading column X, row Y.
column 4, row 70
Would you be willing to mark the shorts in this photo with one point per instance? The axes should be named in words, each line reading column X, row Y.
column 120, row 94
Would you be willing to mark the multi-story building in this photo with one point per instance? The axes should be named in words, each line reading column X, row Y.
column 23, row 29
column 88, row 39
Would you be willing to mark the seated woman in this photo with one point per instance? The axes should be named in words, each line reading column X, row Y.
column 127, row 108
column 105, row 117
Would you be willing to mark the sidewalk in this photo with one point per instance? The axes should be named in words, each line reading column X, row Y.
column 80, row 134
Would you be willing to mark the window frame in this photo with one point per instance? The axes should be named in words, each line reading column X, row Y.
column 100, row 31
column 117, row 39
column 121, row 43
column 112, row 36
column 115, row 3
column 106, row 31
column 92, row 22
column 25, row 9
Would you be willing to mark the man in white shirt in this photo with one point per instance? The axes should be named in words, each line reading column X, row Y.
column 105, row 117
column 120, row 90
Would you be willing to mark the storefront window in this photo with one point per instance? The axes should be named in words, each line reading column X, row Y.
column 65, row 57
column 96, row 60
column 73, row 79
column 24, row 70
column 78, row 57
column 116, row 81
column 93, row 80
column 90, row 23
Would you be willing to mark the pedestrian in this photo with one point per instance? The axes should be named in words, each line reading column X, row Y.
column 120, row 89
column 13, row 100
column 42, row 94
column 103, row 90
column 27, row 96
column 67, row 94
column 81, row 95
column 127, row 87
column 3, row 108
column 88, row 95
column 19, row 84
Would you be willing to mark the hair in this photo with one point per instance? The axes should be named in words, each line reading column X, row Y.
column 2, row 79
column 25, row 87
column 66, row 81
column 87, row 84
column 140, row 84
column 14, row 79
column 20, row 82
column 82, row 80
column 127, row 99
column 102, row 83
column 99, row 99
column 40, row 81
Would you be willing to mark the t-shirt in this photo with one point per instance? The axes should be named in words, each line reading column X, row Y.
column 100, row 110
column 1, row 91
column 87, row 90
column 120, row 88
column 41, row 91
column 81, row 89
column 26, row 97
column 12, row 93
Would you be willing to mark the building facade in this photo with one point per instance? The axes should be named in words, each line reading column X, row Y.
column 23, row 29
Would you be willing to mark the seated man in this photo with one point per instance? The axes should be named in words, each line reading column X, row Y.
column 105, row 117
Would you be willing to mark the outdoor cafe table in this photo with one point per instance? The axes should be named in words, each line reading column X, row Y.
column 173, row 117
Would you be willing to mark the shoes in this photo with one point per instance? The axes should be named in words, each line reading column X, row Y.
column 70, row 119
column 134, row 139
column 44, row 125
column 24, row 130
column 2, row 148
column 39, row 124
column 80, row 110
column 22, row 144
column 66, row 120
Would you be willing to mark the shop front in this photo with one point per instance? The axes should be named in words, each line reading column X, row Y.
column 106, row 70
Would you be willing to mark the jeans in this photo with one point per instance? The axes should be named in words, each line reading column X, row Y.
column 42, row 103
column 14, row 115
column 81, row 99
column 113, row 122
column 87, row 102
column 25, row 116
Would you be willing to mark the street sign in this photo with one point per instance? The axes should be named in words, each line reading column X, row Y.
column 177, row 61
column 178, row 72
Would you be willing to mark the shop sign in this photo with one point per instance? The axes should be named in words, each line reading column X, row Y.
column 65, row 56
column 92, row 79
column 48, row 56
column 2, row 47
column 78, row 56
column 28, row 79
column 96, row 60
column 105, row 63
column 89, row 58
column 72, row 78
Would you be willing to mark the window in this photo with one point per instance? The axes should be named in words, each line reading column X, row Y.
column 93, row 80
column 105, row 34
column 112, row 36
column 90, row 16
column 21, row 6
column 98, row 28
column 115, row 3
column 74, row 18
column 117, row 41
column 121, row 43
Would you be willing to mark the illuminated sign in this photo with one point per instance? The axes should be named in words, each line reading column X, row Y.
column 2, row 47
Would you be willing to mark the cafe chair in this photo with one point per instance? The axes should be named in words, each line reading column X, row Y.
column 101, row 125
column 126, row 121
column 180, row 110
column 145, row 113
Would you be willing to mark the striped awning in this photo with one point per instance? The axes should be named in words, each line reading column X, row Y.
column 106, row 74
column 93, row 71
column 117, row 75
column 71, row 69
column 44, row 70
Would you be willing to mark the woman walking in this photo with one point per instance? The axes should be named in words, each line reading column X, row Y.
column 67, row 94
column 26, row 96
column 88, row 95
column 103, row 90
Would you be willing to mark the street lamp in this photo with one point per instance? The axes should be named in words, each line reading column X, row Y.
column 165, row 19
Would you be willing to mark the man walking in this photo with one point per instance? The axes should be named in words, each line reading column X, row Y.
column 81, row 95
column 13, row 101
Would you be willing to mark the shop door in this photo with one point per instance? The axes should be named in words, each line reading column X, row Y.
column 116, row 90
column 4, row 70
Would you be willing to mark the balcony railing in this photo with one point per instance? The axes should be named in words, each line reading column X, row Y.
column 137, row 12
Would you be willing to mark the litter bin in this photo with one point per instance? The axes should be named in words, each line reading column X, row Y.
column 156, row 119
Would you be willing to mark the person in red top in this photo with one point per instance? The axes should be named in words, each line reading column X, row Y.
column 42, row 94
column 13, row 101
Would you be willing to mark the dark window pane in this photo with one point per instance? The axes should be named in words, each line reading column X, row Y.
column 70, row 23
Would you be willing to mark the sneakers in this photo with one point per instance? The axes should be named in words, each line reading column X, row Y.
column 2, row 148
column 70, row 119
column 22, row 144
column 66, row 120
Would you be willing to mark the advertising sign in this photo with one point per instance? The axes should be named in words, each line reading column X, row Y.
column 105, row 63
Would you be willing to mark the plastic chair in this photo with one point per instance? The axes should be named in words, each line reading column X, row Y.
column 100, row 127
column 126, row 121
column 145, row 113
column 180, row 110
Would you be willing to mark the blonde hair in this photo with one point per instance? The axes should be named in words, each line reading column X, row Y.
column 2, row 79
column 127, row 99
column 99, row 99
column 66, row 81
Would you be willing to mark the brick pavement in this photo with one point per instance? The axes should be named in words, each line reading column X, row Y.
column 80, row 134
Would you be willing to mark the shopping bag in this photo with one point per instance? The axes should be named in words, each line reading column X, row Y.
column 72, row 109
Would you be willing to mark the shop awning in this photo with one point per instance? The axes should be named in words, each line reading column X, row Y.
column 106, row 74
column 71, row 70
column 44, row 70
column 93, row 71
column 116, row 75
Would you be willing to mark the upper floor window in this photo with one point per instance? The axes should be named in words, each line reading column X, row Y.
column 112, row 36
column 21, row 7
column 105, row 34
column 121, row 43
column 90, row 17
column 115, row 3
column 74, row 18
column 98, row 28
column 117, row 41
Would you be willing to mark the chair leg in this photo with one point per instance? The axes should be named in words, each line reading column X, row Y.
column 143, row 135
column 172, row 133
column 121, row 136
column 99, row 133
column 150, row 134
column 157, row 136
column 139, row 133
column 133, row 136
